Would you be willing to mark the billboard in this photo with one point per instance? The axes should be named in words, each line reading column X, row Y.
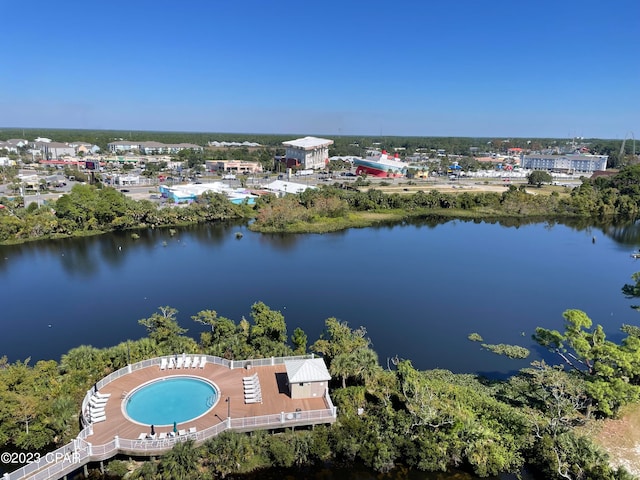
column 92, row 165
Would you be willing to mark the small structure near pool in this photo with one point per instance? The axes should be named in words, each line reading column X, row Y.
column 307, row 378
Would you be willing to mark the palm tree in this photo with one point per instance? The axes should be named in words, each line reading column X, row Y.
column 228, row 452
column 344, row 366
column 181, row 462
column 64, row 413
column 367, row 364
column 83, row 358
column 362, row 364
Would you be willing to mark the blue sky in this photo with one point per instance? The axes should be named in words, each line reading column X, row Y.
column 425, row 68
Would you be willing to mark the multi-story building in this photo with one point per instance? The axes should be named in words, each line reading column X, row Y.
column 13, row 144
column 307, row 152
column 150, row 148
column 53, row 150
column 233, row 166
column 123, row 146
column 569, row 163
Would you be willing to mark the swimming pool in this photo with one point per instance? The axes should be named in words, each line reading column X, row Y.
column 169, row 400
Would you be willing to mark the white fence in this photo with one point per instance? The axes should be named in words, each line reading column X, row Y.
column 79, row 452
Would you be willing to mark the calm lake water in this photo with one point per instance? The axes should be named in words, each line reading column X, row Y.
column 418, row 288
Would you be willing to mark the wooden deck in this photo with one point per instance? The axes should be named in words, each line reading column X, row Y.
column 275, row 399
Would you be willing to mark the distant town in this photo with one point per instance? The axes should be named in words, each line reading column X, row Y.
column 243, row 168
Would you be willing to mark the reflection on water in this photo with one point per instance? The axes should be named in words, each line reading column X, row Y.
column 625, row 234
column 419, row 286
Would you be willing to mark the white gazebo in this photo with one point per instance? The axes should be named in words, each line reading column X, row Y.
column 307, row 378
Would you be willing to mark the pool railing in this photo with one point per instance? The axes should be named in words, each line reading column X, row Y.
column 79, row 452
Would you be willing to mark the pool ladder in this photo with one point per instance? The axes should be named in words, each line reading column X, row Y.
column 211, row 401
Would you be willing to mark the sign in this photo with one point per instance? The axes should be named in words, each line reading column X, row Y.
column 92, row 165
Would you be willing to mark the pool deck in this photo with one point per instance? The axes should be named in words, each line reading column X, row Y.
column 275, row 399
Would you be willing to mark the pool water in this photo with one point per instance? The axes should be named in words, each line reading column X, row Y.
column 170, row 400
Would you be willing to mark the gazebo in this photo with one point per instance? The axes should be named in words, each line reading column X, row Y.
column 307, row 378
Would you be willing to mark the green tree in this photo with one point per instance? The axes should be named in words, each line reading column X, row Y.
column 338, row 338
column 538, row 177
column 612, row 371
column 228, row 453
column 299, row 340
column 268, row 323
column 181, row 463
column 163, row 327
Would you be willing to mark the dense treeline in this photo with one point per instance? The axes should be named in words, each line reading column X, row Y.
column 89, row 210
column 343, row 144
column 617, row 195
column 427, row 420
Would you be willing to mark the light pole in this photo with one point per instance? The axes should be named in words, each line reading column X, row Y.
column 228, row 400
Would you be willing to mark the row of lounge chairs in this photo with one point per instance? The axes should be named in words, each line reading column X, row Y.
column 183, row 362
column 252, row 390
column 165, row 435
column 97, row 404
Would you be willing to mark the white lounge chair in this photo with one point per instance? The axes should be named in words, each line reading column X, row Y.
column 98, row 418
column 252, row 396
column 96, row 411
column 252, row 378
column 98, row 399
column 187, row 362
column 102, row 395
column 192, row 430
column 172, row 363
column 182, row 432
column 93, row 404
column 195, row 363
column 142, row 436
column 163, row 364
column 180, row 362
column 255, row 391
column 253, row 400
column 203, row 361
column 162, row 436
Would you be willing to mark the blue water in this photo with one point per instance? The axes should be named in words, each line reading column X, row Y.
column 164, row 402
column 419, row 289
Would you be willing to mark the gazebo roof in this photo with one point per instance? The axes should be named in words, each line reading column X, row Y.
column 309, row 370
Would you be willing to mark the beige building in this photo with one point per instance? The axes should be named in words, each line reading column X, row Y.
column 307, row 378
column 307, row 152
column 233, row 166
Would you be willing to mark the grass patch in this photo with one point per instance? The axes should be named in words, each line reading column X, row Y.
column 620, row 437
column 326, row 224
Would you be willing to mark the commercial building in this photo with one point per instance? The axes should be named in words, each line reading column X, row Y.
column 150, row 148
column 53, row 150
column 188, row 193
column 307, row 152
column 233, row 166
column 568, row 163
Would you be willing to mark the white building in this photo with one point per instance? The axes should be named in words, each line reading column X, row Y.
column 281, row 187
column 573, row 163
column 307, row 152
column 53, row 150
